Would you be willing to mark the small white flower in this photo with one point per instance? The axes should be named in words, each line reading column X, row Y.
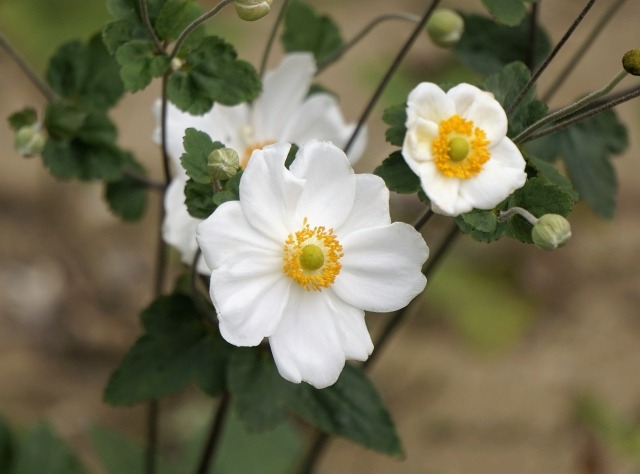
column 283, row 113
column 303, row 254
column 457, row 144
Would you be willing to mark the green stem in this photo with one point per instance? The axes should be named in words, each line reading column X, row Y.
column 196, row 23
column 580, row 53
column 272, row 37
column 364, row 32
column 213, row 440
column 573, row 108
column 423, row 219
column 504, row 216
column 144, row 13
column 389, row 74
column 549, row 58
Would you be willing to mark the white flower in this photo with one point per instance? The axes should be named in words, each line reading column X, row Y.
column 303, row 254
column 283, row 113
column 457, row 144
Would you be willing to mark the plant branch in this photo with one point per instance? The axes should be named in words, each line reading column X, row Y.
column 389, row 74
column 146, row 19
column 272, row 37
column 153, row 408
column 213, row 440
column 533, row 36
column 423, row 219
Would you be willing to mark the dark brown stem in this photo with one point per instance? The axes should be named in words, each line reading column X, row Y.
column 144, row 13
column 272, row 37
column 213, row 440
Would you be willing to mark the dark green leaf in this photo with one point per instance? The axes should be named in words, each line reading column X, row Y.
column 197, row 145
column 306, row 30
column 63, row 120
column 551, row 174
column 351, row 408
column 7, row 446
column 127, row 196
column 41, row 451
column 175, row 16
column 174, row 350
column 509, row 12
column 212, row 73
column 481, row 225
column 262, row 397
column 23, row 118
column 139, row 64
column 487, row 47
column 199, row 199
column 397, row 175
column 230, row 190
column 396, row 118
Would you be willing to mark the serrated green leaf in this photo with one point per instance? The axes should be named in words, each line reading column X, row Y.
column 172, row 352
column 306, row 30
column 23, row 118
column 40, row 447
column 230, row 190
column 7, row 446
column 199, row 199
column 127, row 196
column 63, row 121
column 482, row 226
column 212, row 73
column 551, row 174
column 197, row 145
column 397, row 175
column 509, row 12
column 139, row 64
column 487, row 47
column 262, row 397
column 351, row 408
column 175, row 16
column 395, row 117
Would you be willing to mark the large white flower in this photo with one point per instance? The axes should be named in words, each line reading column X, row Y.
column 283, row 113
column 302, row 255
column 457, row 144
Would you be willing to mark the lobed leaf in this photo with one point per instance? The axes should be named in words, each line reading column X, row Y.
column 139, row 64
column 397, row 175
column 508, row 12
column 395, row 117
column 127, row 196
column 23, row 118
column 197, row 145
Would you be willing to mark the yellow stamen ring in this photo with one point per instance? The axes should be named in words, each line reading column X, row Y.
column 251, row 148
column 312, row 257
column 460, row 149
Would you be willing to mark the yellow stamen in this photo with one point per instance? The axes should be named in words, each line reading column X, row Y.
column 460, row 149
column 312, row 257
column 251, row 148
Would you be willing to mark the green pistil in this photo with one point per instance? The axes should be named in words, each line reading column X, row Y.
column 311, row 257
column 458, row 148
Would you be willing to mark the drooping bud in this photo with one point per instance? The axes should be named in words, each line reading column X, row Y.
column 251, row 10
column 445, row 27
column 551, row 231
column 29, row 141
column 223, row 163
column 631, row 62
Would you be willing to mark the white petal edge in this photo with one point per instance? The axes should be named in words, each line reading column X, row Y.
column 429, row 102
column 370, row 206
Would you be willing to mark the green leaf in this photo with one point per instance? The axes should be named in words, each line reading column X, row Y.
column 262, row 397
column 63, row 120
column 586, row 149
column 551, row 174
column 40, row 450
column 7, row 446
column 174, row 350
column 199, row 199
column 230, row 189
column 509, row 12
column 139, row 64
column 23, row 118
column 306, row 30
column 127, row 196
column 487, row 47
column 86, row 75
column 482, row 226
column 396, row 117
column 351, row 408
column 397, row 175
column 212, row 73
column 175, row 16
column 197, row 145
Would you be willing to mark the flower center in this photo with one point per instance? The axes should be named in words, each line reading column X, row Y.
column 312, row 257
column 460, row 149
column 251, row 148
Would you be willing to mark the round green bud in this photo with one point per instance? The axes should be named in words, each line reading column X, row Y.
column 251, row 10
column 223, row 163
column 631, row 62
column 445, row 27
column 551, row 231
column 29, row 141
column 311, row 257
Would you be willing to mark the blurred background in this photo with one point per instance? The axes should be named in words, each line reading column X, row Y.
column 515, row 360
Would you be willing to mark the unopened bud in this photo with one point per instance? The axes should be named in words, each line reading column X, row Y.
column 223, row 163
column 631, row 62
column 176, row 64
column 551, row 231
column 29, row 141
column 445, row 27
column 251, row 10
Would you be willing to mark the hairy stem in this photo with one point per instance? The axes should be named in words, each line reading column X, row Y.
column 213, row 440
column 272, row 37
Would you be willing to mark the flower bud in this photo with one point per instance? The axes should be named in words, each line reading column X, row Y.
column 551, row 231
column 251, row 10
column 223, row 163
column 176, row 64
column 29, row 141
column 445, row 27
column 631, row 62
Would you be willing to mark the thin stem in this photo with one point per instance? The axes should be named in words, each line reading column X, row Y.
column 580, row 104
column 364, row 32
column 504, row 216
column 153, row 408
column 272, row 37
column 533, row 36
column 196, row 23
column 549, row 58
column 392, row 69
column 213, row 439
column 143, row 180
column 164, row 108
column 580, row 53
column 585, row 115
column 144, row 13
column 423, row 219
column 42, row 86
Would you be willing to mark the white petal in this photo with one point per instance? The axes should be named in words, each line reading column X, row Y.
column 269, row 193
column 330, row 185
column 482, row 109
column 284, row 89
column 443, row 192
column 308, row 345
column 429, row 102
column 370, row 207
column 381, row 267
column 418, row 142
